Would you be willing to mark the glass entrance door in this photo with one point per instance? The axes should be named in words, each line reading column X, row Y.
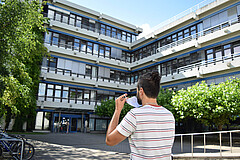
column 74, row 125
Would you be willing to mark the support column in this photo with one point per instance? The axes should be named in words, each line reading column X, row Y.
column 43, row 120
column 82, row 128
column 59, row 122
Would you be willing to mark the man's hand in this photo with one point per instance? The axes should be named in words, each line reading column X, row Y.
column 113, row 137
column 119, row 102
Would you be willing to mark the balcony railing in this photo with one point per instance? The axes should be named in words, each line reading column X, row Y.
column 203, row 33
column 69, row 100
column 206, row 63
column 184, row 13
column 67, row 72
column 93, row 29
column 78, row 49
column 221, row 141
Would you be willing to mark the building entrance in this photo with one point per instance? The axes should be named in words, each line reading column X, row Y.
column 66, row 123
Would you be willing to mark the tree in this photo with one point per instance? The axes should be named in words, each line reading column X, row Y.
column 214, row 104
column 107, row 109
column 22, row 50
column 165, row 98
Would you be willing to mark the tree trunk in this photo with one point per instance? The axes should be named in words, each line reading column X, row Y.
column 220, row 126
column 8, row 118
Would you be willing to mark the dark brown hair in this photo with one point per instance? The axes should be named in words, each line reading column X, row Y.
column 150, row 82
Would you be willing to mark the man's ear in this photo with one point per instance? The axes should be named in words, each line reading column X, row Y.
column 141, row 91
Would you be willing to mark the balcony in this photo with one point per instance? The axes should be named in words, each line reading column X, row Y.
column 201, row 69
column 76, row 52
column 95, row 81
column 84, row 105
column 93, row 30
column 195, row 40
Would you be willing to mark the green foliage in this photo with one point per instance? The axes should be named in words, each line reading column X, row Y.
column 107, row 108
column 22, row 49
column 214, row 104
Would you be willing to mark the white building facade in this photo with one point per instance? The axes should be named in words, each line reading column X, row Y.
column 95, row 57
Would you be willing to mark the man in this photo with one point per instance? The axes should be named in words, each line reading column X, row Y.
column 150, row 128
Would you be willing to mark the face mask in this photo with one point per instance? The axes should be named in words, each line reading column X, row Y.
column 133, row 101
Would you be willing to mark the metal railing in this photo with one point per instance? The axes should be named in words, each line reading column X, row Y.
column 202, row 63
column 78, row 49
column 204, row 140
column 199, row 34
column 69, row 100
column 85, row 76
column 91, row 28
column 184, row 13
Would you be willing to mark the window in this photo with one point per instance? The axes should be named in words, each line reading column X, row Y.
column 55, row 39
column 69, row 43
column 79, row 96
column 65, row 94
column 92, row 26
column 124, row 36
column 58, row 90
column 107, row 52
column 117, row 76
column 72, row 19
column 101, row 52
column 76, row 44
column 122, row 77
column 65, row 18
column 41, row 91
column 103, row 29
column 95, row 49
column 112, row 74
column 174, row 37
column 83, row 46
column 164, row 69
column 50, row 92
column 50, row 14
column 58, row 16
column 88, row 70
column 128, row 58
column 169, row 40
column 108, row 33
column 174, row 66
column 101, row 124
column 63, row 41
column 85, row 23
column 52, row 62
column 123, row 56
column 119, row 34
column 186, row 32
column 90, row 47
column 114, row 32
column 218, row 53
column 236, row 49
column 86, row 97
column 169, row 68
column 48, row 37
column 78, row 21
column 128, row 37
column 209, row 55
column 133, row 38
column 72, row 95
column 180, row 35
column 227, row 51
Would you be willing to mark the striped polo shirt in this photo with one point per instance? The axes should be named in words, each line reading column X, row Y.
column 150, row 130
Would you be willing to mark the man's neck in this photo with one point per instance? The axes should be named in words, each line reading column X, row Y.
column 150, row 101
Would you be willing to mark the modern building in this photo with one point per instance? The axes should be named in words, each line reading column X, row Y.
column 96, row 57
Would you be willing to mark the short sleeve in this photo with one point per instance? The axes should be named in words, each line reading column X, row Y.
column 128, row 125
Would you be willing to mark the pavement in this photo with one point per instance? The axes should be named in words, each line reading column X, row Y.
column 86, row 146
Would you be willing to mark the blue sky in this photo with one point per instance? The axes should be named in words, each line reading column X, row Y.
column 143, row 13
